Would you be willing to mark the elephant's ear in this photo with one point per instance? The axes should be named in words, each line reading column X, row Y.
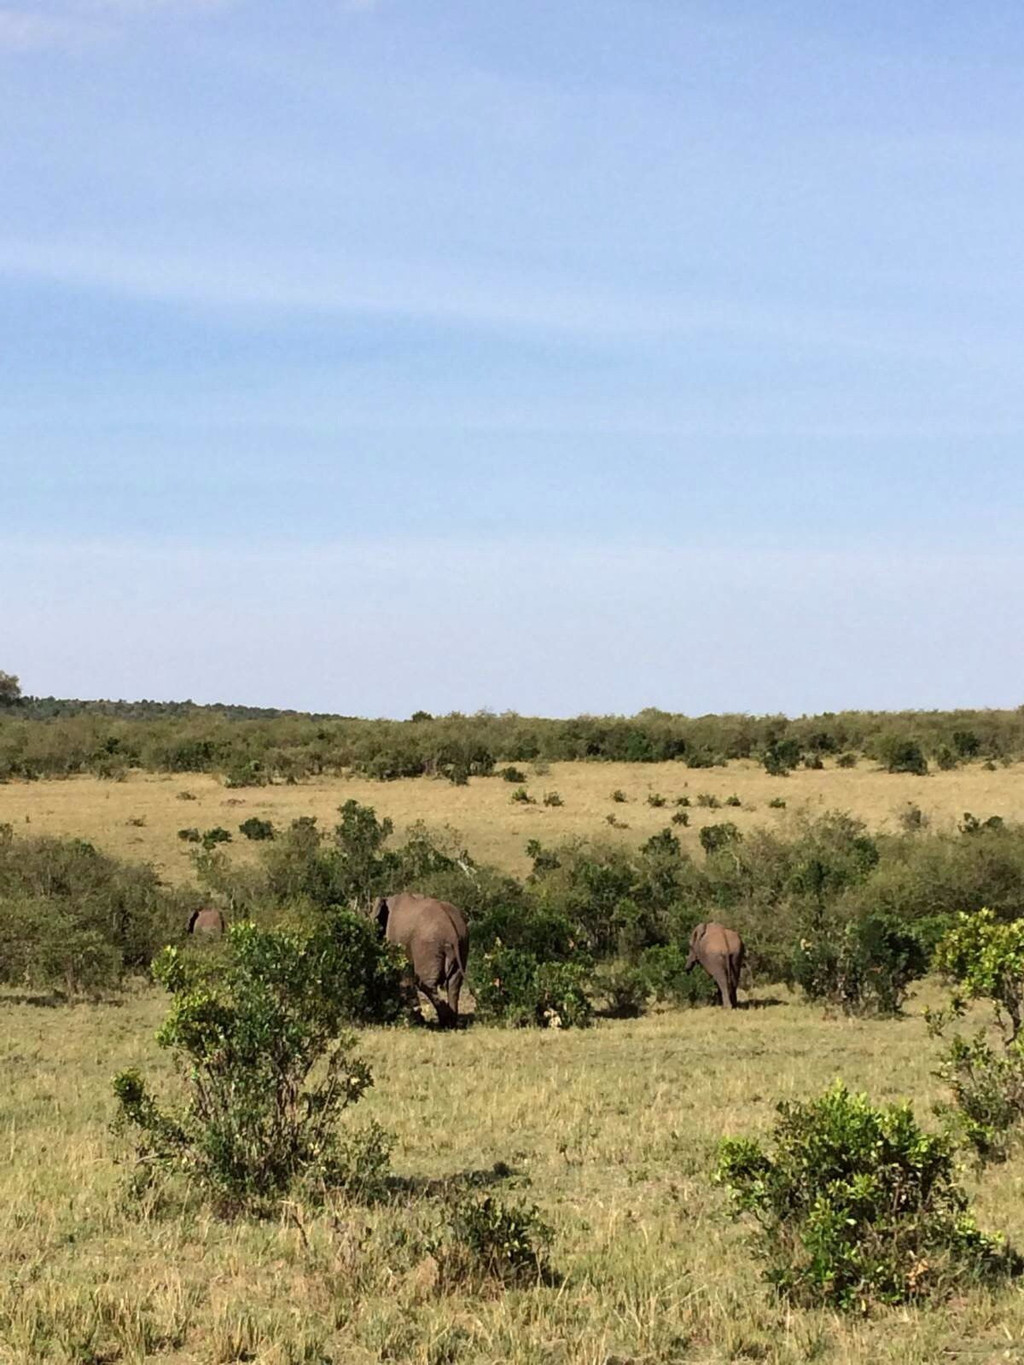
column 699, row 930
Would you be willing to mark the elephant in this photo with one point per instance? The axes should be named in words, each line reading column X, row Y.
column 207, row 921
column 720, row 952
column 436, row 940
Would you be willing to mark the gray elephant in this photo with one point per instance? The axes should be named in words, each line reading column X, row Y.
column 208, row 922
column 436, row 940
column 720, row 952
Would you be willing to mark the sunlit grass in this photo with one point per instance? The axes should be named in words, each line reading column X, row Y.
column 140, row 818
column 611, row 1132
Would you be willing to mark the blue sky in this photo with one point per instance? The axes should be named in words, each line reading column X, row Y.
column 379, row 355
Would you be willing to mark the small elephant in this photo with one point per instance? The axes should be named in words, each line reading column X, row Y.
column 207, row 921
column 436, row 940
column 720, row 952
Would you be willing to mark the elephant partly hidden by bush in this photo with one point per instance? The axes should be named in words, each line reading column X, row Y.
column 207, row 922
column 435, row 937
column 720, row 952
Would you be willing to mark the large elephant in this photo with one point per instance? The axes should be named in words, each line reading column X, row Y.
column 720, row 952
column 436, row 940
column 208, row 921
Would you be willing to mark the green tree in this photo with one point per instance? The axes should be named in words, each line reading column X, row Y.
column 10, row 690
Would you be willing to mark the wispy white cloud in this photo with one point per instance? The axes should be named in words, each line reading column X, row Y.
column 29, row 31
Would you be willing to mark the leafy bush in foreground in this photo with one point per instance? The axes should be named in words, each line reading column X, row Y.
column 664, row 969
column 856, row 1204
column 266, row 1070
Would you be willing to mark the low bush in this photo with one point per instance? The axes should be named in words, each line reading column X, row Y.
column 984, row 957
column 626, row 990
column 846, row 761
column 522, row 797
column 715, row 837
column 512, row 775
column 257, row 829
column 680, row 817
column 864, row 966
column 266, row 1070
column 988, row 1095
column 777, row 803
column 856, row 1205
column 190, row 835
column 733, row 800
column 899, row 754
column 210, row 838
column 512, row 987
column 553, row 799
column 489, row 1239
column 618, row 795
column 664, row 969
column 682, row 801
column 655, row 799
column 708, row 800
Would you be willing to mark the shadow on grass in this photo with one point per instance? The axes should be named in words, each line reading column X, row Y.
column 769, row 1002
column 460, row 1182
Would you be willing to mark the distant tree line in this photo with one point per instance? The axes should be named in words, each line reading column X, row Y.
column 48, row 737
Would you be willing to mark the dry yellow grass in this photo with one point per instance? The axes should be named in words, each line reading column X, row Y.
column 495, row 829
column 614, row 1129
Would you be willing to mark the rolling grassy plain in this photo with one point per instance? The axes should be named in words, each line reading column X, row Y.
column 611, row 1132
column 139, row 818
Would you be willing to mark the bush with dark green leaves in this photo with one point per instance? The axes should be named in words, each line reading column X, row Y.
column 626, row 989
column 512, row 987
column 864, row 966
column 715, row 837
column 257, row 829
column 210, row 838
column 266, row 1069
column 663, row 967
column 511, row 774
column 898, row 754
column 78, row 921
column 856, row 1205
column 489, row 1239
column 987, row 1085
column 984, row 958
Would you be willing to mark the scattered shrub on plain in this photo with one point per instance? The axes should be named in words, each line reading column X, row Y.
column 988, row 1094
column 857, row 1205
column 655, row 799
column 777, row 803
column 489, row 1239
column 715, row 837
column 210, row 838
column 708, row 801
column 257, row 829
column 266, row 1069
column 680, row 817
column 899, row 754
column 522, row 797
column 553, row 799
column 190, row 835
column 846, row 761
column 512, row 775
column 618, row 795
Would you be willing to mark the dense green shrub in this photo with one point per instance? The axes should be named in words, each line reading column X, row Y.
column 513, row 775
column 855, row 1204
column 898, row 754
column 512, row 987
column 492, row 1240
column 257, row 829
column 190, row 835
column 985, row 958
column 626, row 989
column 76, row 920
column 715, row 837
column 522, row 797
column 664, row 969
column 988, row 1094
column 266, row 1070
column 863, row 966
column 218, row 835
column 655, row 799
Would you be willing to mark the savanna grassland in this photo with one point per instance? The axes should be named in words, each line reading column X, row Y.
column 140, row 816
column 610, row 1131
